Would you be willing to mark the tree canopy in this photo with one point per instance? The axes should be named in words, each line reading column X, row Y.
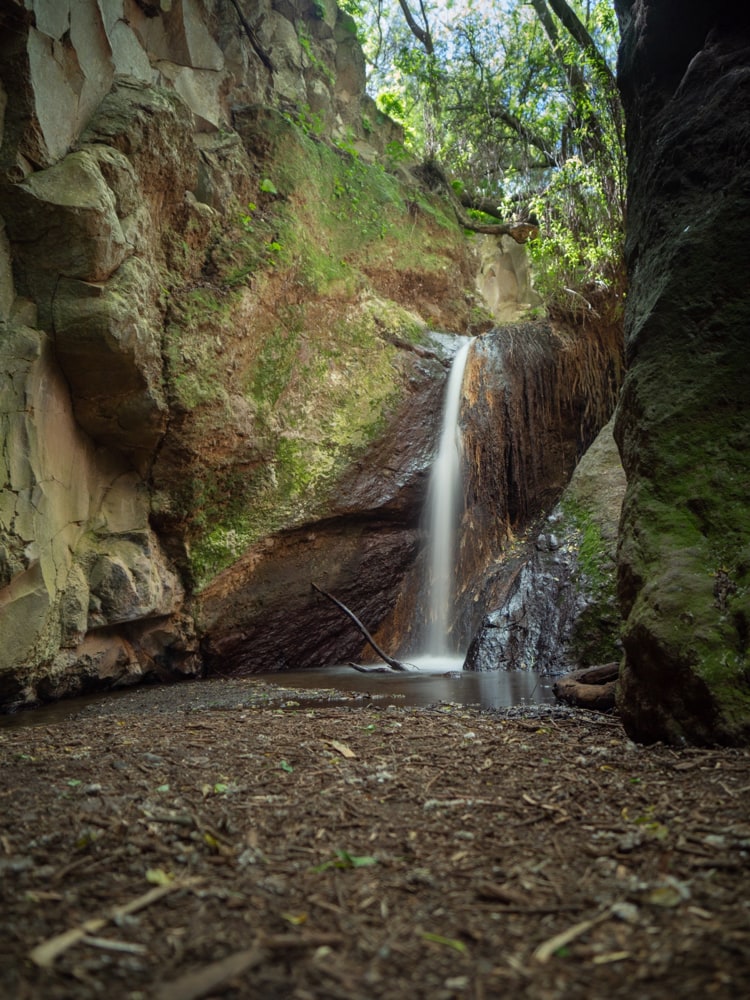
column 518, row 102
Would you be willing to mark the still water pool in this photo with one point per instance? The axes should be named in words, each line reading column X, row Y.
column 434, row 681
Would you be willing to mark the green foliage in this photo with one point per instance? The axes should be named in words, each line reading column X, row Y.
column 578, row 256
column 311, row 122
column 392, row 105
column 317, row 64
column 344, row 859
column 522, row 113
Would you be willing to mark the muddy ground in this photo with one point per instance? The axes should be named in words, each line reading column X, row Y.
column 202, row 841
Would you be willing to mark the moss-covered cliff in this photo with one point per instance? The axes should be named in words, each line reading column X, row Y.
column 218, row 278
column 684, row 418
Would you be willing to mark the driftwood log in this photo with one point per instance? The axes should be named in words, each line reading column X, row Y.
column 392, row 663
column 592, row 688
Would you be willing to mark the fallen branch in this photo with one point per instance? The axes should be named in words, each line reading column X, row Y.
column 394, row 664
column 45, row 953
column 204, row 982
column 521, row 232
column 547, row 948
column 374, row 669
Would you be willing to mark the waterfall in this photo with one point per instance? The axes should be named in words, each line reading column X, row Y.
column 445, row 492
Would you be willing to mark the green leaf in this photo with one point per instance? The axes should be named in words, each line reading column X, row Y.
column 157, row 876
column 286, row 767
column 448, row 942
column 268, row 186
column 344, row 859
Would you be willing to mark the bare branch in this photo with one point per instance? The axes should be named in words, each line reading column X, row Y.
column 423, row 34
column 395, row 664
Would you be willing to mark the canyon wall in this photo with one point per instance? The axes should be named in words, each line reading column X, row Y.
column 208, row 311
column 683, row 423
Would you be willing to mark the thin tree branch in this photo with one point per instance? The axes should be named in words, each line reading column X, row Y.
column 395, row 664
column 423, row 34
column 577, row 29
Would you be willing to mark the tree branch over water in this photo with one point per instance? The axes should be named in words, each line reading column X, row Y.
column 394, row 664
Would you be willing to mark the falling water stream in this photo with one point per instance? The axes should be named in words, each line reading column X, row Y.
column 443, row 497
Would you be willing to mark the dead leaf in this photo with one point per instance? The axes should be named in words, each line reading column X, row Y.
column 342, row 748
column 447, row 942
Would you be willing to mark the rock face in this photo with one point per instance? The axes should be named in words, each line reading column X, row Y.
column 683, row 422
column 218, row 381
column 261, row 613
column 559, row 610
column 504, row 279
column 535, row 398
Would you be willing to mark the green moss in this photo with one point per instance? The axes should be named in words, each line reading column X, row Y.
column 317, row 367
column 192, row 347
column 597, row 631
column 686, row 535
column 350, row 375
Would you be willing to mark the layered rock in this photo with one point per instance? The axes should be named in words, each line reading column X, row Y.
column 683, row 422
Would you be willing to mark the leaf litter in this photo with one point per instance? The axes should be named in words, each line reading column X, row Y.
column 155, row 849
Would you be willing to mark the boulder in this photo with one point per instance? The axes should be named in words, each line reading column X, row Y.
column 63, row 222
column 108, row 341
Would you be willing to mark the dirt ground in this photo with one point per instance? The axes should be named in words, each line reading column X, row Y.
column 246, row 841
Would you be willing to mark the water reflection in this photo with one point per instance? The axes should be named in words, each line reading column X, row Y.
column 437, row 679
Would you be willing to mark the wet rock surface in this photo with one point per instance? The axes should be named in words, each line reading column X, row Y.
column 560, row 610
column 535, row 397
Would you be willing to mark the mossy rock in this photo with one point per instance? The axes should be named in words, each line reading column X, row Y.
column 288, row 363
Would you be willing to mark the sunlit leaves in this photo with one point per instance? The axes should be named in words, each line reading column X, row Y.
column 522, row 115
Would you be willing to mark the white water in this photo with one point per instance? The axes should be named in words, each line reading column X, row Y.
column 443, row 500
